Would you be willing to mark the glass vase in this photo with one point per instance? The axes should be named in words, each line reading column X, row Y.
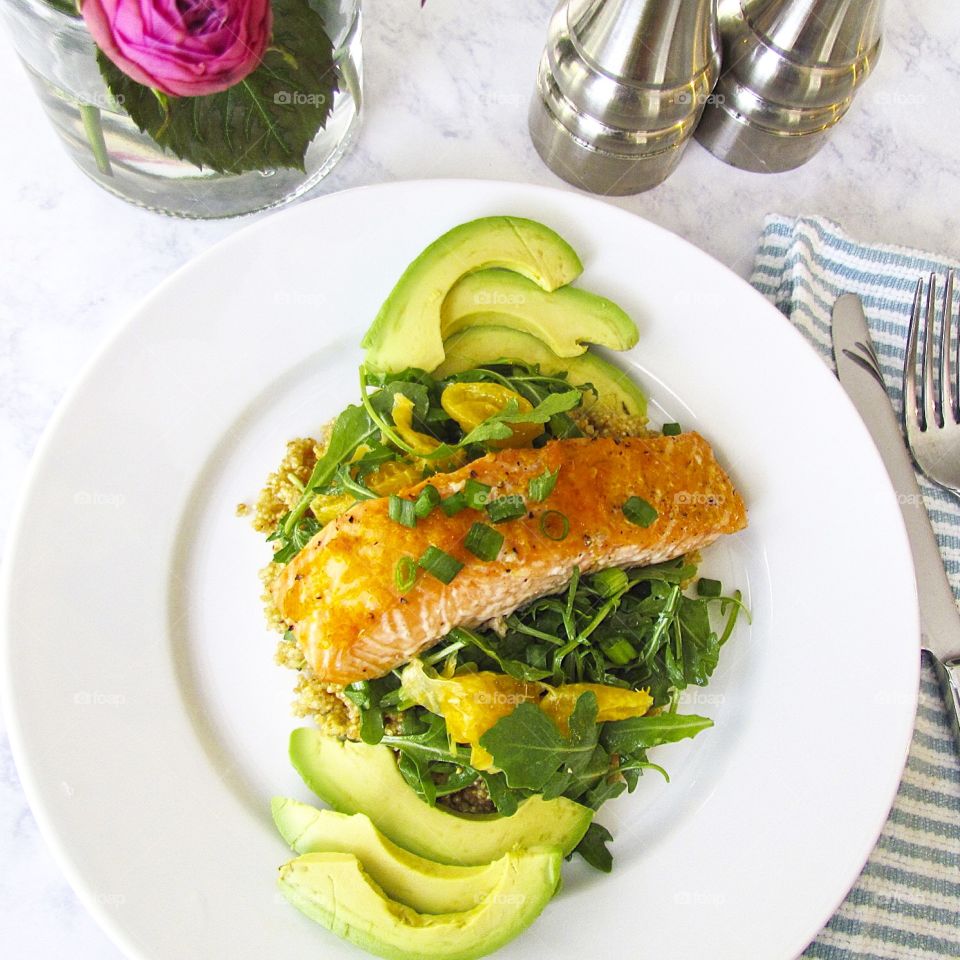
column 102, row 139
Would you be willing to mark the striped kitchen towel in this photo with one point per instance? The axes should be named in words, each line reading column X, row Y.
column 907, row 900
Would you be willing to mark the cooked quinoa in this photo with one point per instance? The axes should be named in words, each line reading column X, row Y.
column 325, row 703
column 284, row 486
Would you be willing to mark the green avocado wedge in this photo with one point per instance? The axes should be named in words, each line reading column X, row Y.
column 424, row 885
column 406, row 331
column 477, row 345
column 336, row 891
column 357, row 778
column 566, row 320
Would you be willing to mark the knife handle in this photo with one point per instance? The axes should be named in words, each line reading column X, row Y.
column 948, row 672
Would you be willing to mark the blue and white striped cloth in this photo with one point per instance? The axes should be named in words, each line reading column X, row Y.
column 907, row 900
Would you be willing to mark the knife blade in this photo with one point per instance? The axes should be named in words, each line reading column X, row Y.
column 859, row 373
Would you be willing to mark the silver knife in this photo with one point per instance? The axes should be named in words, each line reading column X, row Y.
column 859, row 373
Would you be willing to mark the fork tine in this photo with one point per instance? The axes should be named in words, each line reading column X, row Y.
column 930, row 417
column 948, row 395
column 911, row 415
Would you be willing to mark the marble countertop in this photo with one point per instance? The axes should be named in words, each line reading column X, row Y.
column 446, row 90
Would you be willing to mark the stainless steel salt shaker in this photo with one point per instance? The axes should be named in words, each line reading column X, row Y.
column 791, row 69
column 620, row 88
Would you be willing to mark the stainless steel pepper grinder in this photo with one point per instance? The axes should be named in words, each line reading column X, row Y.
column 620, row 88
column 791, row 69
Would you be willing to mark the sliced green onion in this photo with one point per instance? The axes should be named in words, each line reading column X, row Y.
column 476, row 493
column 484, row 542
column 405, row 574
column 709, row 588
column 440, row 564
column 610, row 582
column 453, row 504
column 639, row 512
column 619, row 650
column 539, row 488
column 554, row 525
column 428, row 499
column 402, row 511
column 506, row 508
column 672, row 430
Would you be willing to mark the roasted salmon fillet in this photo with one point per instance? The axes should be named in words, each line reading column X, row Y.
column 339, row 593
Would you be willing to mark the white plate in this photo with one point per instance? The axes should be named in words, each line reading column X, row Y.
column 150, row 723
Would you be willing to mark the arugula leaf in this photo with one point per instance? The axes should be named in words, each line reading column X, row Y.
column 350, row 429
column 642, row 733
column 593, row 847
column 427, row 746
column 527, row 746
column 494, row 428
column 606, row 789
column 266, row 120
column 417, row 393
column 574, row 783
column 418, row 774
column 513, row 668
column 417, row 755
column 701, row 644
column 368, row 696
column 303, row 531
column 584, row 733
column 504, row 799
column 632, row 769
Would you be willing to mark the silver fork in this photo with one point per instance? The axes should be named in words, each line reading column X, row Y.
column 931, row 414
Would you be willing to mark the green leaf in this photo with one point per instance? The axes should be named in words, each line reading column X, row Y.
column 527, row 746
column 421, row 752
column 584, row 733
column 593, row 847
column 573, row 784
column 641, row 733
column 701, row 644
column 351, row 428
column 300, row 535
column 417, row 773
column 367, row 695
column 417, row 393
column 504, row 799
column 267, row 120
column 430, row 745
column 494, row 428
column 452, row 779
column 514, row 668
column 602, row 791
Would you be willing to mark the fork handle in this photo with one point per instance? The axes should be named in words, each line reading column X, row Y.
column 948, row 672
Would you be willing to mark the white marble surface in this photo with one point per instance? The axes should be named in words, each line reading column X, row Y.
column 446, row 93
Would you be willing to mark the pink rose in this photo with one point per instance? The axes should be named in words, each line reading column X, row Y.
column 186, row 48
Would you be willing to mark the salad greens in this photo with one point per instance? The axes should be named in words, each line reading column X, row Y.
column 634, row 629
column 370, row 430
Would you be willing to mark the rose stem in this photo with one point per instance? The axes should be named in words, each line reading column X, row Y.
column 90, row 115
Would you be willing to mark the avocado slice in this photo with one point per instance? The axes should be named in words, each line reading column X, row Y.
column 406, row 331
column 335, row 890
column 426, row 886
column 566, row 320
column 357, row 778
column 477, row 345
